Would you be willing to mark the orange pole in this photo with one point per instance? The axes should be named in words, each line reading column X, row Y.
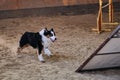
column 99, row 18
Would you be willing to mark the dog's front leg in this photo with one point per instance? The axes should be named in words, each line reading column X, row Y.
column 40, row 55
column 47, row 52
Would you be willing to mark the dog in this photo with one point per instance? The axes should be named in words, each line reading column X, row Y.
column 40, row 40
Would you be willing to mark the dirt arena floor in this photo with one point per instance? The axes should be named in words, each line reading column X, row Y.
column 75, row 43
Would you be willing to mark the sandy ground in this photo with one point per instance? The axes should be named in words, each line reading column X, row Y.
column 75, row 43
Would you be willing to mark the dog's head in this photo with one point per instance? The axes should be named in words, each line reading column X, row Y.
column 49, row 34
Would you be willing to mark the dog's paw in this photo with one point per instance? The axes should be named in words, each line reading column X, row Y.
column 18, row 50
column 40, row 57
column 47, row 52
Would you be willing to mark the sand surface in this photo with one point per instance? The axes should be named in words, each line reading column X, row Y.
column 75, row 43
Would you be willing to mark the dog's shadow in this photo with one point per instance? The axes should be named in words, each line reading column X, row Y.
column 57, row 57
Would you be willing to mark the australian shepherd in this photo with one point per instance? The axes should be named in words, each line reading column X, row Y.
column 39, row 40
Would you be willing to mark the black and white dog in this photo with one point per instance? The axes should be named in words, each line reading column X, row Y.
column 40, row 40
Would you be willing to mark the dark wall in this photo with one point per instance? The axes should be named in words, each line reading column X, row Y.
column 25, row 9
column 25, row 4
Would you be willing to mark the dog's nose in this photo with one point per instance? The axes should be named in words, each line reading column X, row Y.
column 55, row 38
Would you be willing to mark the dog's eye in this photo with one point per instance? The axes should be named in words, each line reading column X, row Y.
column 51, row 34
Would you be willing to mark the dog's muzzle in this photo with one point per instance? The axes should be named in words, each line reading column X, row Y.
column 53, row 39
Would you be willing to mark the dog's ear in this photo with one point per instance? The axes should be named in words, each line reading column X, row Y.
column 52, row 29
column 45, row 31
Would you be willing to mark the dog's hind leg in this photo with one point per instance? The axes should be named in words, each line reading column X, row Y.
column 19, row 49
column 23, row 42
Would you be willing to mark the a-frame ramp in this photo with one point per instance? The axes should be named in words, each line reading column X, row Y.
column 106, row 56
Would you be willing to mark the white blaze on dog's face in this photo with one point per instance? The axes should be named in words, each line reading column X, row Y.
column 52, row 35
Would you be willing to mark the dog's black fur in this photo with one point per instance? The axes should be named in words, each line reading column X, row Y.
column 32, row 39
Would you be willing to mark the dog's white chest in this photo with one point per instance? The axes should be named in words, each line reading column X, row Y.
column 46, row 42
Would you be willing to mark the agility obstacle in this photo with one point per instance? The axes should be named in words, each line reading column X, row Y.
column 100, row 19
column 106, row 56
